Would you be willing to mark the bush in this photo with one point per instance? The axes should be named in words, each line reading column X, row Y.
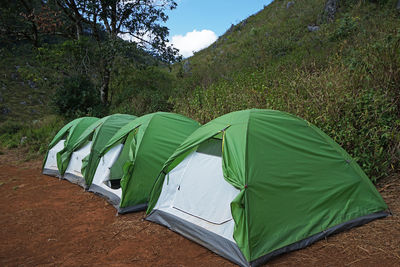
column 140, row 91
column 77, row 97
column 346, row 26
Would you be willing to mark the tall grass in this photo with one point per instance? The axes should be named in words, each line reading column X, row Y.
column 34, row 136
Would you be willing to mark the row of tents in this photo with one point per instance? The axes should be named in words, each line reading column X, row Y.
column 248, row 185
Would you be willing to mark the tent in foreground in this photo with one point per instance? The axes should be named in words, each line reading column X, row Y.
column 134, row 156
column 87, row 146
column 254, row 184
column 66, row 137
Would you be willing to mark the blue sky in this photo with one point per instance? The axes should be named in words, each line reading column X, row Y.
column 195, row 24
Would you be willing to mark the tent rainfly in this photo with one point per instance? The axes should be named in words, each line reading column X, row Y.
column 64, row 139
column 78, row 158
column 254, row 184
column 134, row 156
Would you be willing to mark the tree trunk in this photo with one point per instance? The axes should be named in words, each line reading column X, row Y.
column 105, row 85
column 35, row 35
column 78, row 31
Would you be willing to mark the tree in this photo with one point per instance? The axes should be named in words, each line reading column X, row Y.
column 28, row 19
column 141, row 20
column 17, row 20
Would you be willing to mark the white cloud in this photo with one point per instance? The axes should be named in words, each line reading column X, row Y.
column 193, row 41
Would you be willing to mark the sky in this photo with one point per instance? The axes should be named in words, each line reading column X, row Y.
column 195, row 24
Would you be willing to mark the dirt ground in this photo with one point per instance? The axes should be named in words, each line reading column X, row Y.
column 47, row 222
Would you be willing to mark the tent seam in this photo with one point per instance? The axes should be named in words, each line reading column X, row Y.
column 246, row 182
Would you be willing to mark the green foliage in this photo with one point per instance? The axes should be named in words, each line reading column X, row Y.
column 346, row 26
column 10, row 127
column 141, row 90
column 22, row 89
column 343, row 78
column 77, row 97
column 34, row 136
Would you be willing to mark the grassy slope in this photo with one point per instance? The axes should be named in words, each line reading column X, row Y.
column 344, row 77
column 21, row 94
column 28, row 122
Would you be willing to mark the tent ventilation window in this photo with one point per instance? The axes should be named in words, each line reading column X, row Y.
column 211, row 147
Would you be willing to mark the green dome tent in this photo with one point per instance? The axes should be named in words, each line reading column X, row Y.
column 254, row 184
column 65, row 138
column 101, row 136
column 83, row 151
column 135, row 155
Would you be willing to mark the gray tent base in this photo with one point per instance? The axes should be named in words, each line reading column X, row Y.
column 210, row 240
column 321, row 235
column 230, row 250
column 51, row 172
column 139, row 207
column 112, row 198
column 75, row 180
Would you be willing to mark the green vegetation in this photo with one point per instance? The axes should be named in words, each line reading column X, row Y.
column 33, row 136
column 342, row 76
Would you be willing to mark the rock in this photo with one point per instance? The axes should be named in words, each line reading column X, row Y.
column 31, row 84
column 34, row 111
column 22, row 103
column 186, row 66
column 14, row 76
column 313, row 28
column 35, row 121
column 267, row 34
column 331, row 7
column 17, row 67
column 289, row 4
column 23, row 140
column 5, row 110
column 230, row 28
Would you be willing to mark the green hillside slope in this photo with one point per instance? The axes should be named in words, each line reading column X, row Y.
column 343, row 76
column 22, row 98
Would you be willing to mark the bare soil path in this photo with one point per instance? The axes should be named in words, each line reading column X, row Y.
column 46, row 221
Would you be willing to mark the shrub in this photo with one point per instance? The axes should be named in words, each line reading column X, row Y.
column 140, row 91
column 346, row 26
column 77, row 97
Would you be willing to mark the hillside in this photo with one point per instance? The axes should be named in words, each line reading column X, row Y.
column 22, row 98
column 337, row 67
column 340, row 71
